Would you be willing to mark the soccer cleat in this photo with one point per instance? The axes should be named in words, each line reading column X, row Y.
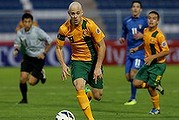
column 160, row 89
column 23, row 101
column 86, row 91
column 130, row 102
column 43, row 80
column 154, row 111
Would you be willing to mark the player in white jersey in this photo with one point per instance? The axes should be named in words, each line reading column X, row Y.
column 34, row 43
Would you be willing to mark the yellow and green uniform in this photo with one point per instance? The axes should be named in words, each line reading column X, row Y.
column 83, row 39
column 154, row 43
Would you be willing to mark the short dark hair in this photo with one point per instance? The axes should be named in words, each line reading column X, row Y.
column 27, row 15
column 155, row 12
column 136, row 1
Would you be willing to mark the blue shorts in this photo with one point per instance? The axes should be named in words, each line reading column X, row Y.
column 133, row 63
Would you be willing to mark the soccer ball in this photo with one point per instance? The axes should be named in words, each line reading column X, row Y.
column 65, row 115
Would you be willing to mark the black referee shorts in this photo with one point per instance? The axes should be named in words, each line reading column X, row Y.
column 32, row 65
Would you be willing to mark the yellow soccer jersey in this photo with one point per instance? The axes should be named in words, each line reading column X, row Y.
column 155, row 42
column 83, row 39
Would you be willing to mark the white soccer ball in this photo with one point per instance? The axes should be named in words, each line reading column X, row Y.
column 65, row 115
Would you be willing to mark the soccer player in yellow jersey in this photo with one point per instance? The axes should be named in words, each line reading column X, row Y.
column 156, row 50
column 88, row 51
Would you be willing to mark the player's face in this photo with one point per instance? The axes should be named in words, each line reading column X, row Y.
column 75, row 15
column 153, row 20
column 136, row 9
column 27, row 22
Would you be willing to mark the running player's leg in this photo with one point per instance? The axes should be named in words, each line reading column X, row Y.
column 82, row 97
column 155, row 76
column 37, row 73
column 26, row 68
column 135, row 65
column 128, row 72
column 23, row 86
column 79, row 73
column 96, row 87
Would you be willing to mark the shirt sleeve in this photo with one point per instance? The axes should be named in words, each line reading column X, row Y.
column 17, row 42
column 96, row 32
column 124, row 29
column 60, row 37
column 163, row 43
column 44, row 36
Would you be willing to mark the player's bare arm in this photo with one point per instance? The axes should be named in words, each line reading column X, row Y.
column 65, row 68
column 149, row 59
column 47, row 48
column 16, row 51
column 101, row 54
column 138, row 36
column 121, row 40
column 140, row 47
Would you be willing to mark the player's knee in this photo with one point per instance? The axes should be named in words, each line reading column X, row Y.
column 127, row 77
column 133, row 73
column 136, row 83
column 32, row 82
column 23, row 79
column 79, row 84
column 97, row 96
column 132, row 76
column 79, row 87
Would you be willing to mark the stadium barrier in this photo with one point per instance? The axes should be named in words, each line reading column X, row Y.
column 115, row 54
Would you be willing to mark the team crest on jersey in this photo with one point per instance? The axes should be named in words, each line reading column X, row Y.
column 98, row 31
column 140, row 26
column 164, row 44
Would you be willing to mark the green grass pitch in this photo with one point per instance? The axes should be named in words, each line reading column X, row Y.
column 55, row 95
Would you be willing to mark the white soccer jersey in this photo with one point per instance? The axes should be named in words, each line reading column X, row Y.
column 34, row 40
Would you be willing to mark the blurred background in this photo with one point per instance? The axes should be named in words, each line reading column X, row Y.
column 108, row 14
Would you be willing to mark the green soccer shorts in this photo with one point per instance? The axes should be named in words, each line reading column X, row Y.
column 151, row 74
column 85, row 70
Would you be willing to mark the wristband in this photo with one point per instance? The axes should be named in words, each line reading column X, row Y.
column 16, row 49
column 44, row 54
